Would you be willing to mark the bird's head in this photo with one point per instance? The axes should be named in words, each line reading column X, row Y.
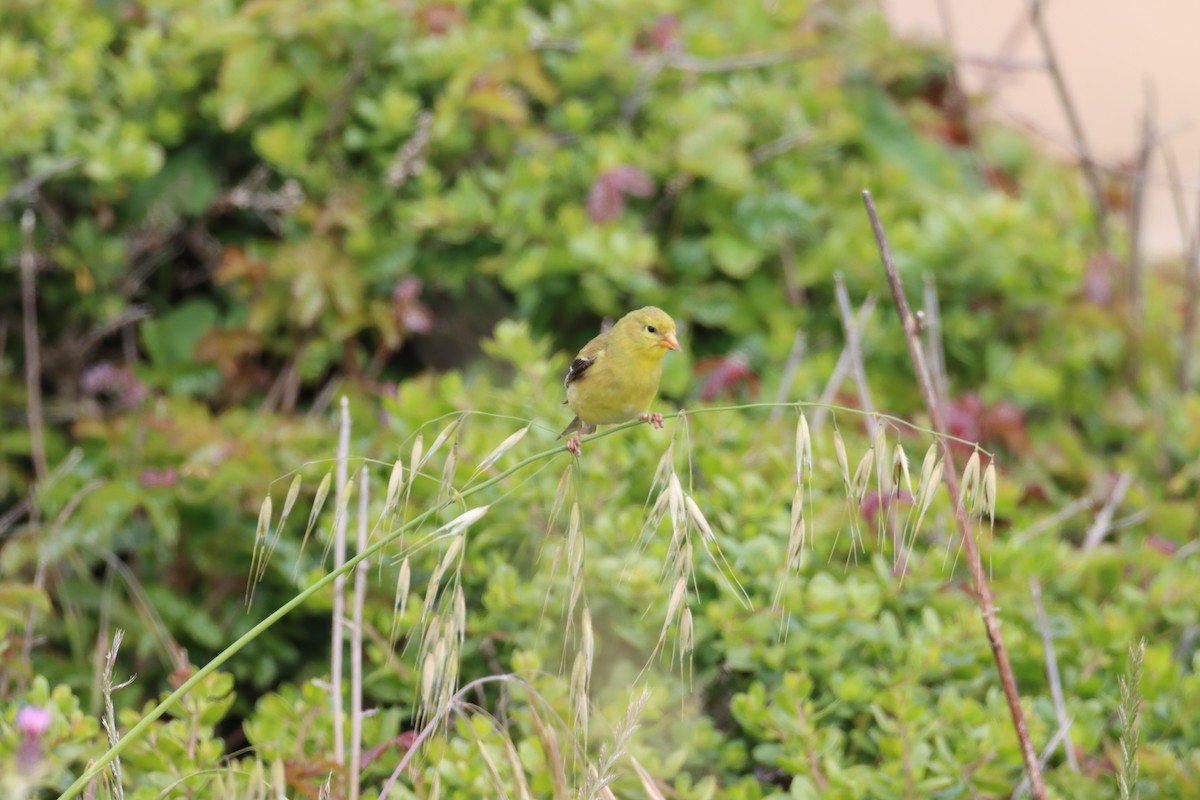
column 649, row 330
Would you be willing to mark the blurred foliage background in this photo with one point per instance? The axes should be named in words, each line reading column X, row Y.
column 245, row 210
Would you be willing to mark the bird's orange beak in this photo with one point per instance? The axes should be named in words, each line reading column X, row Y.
column 670, row 342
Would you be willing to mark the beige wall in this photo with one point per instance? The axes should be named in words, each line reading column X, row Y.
column 1108, row 50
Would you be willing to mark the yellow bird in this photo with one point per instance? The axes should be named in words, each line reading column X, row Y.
column 615, row 376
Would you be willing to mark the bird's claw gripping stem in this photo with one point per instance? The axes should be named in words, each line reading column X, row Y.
column 655, row 420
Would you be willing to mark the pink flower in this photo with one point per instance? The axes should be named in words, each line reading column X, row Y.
column 33, row 721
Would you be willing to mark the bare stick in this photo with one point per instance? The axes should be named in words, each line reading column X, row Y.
column 1054, row 520
column 1008, row 45
column 950, row 477
column 799, row 345
column 436, row 720
column 33, row 361
column 339, row 587
column 1050, row 747
column 44, row 545
column 1103, row 522
column 853, row 346
column 841, row 368
column 1090, row 173
column 689, row 63
column 1056, row 692
column 356, row 646
column 1137, row 214
column 27, row 190
column 933, row 335
column 1191, row 266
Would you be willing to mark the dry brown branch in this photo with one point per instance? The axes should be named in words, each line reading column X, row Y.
column 1090, row 173
column 1056, row 692
column 339, row 585
column 45, row 543
column 777, row 147
column 1054, row 520
column 356, row 645
column 1191, row 266
column 33, row 364
column 1137, row 214
column 1103, row 522
column 957, row 102
column 27, row 190
column 983, row 591
column 853, row 346
column 841, row 368
column 689, row 63
column 799, row 345
column 410, row 158
column 435, row 722
column 933, row 336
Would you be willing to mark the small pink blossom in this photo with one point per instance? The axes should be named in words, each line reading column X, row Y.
column 33, row 721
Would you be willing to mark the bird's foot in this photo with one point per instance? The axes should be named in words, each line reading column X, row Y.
column 573, row 445
column 655, row 420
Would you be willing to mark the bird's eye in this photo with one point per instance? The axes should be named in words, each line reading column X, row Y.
column 652, row 329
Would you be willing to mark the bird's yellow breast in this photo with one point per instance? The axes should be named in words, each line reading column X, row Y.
column 606, row 396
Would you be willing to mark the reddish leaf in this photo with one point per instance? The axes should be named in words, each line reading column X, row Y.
column 606, row 198
column 604, row 201
column 662, row 35
column 414, row 315
column 1164, row 546
column 630, row 180
column 440, row 18
column 159, row 478
column 724, row 375
column 1002, row 423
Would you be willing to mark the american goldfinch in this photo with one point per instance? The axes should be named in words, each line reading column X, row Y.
column 615, row 376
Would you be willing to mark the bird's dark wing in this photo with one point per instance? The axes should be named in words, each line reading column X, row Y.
column 577, row 368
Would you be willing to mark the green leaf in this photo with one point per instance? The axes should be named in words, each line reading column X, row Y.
column 736, row 257
column 716, row 150
column 170, row 339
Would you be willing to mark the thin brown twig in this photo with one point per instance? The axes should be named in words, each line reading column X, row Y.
column 1191, row 266
column 1052, row 674
column 1050, row 747
column 957, row 101
column 777, row 147
column 33, row 363
column 854, row 347
column 799, row 345
column 1103, row 523
column 841, row 368
column 44, row 545
column 27, row 189
column 1008, row 45
column 356, row 645
column 433, row 724
column 685, row 62
column 933, row 335
column 950, row 477
column 1054, row 520
column 1137, row 218
column 1090, row 173
column 339, row 586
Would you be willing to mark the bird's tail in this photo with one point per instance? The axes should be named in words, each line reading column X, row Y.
column 576, row 424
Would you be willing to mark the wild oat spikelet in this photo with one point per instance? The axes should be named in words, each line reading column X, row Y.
column 508, row 444
column 318, row 504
